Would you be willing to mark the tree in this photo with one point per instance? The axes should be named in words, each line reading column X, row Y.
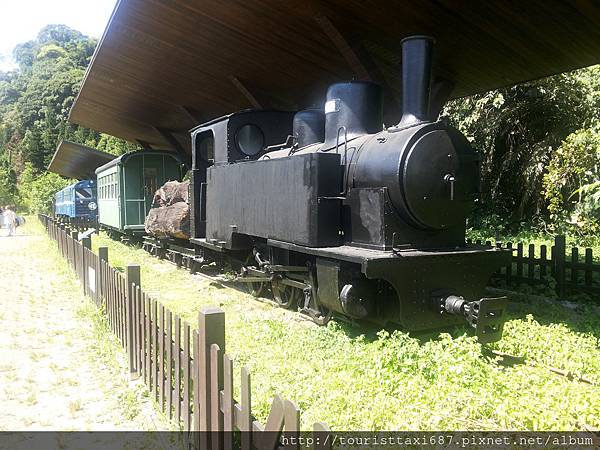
column 9, row 194
column 572, row 183
column 38, row 189
column 35, row 101
column 517, row 131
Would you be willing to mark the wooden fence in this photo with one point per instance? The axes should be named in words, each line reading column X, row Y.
column 77, row 223
column 165, row 351
column 573, row 271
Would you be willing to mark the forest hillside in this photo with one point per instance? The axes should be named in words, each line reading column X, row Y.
column 35, row 100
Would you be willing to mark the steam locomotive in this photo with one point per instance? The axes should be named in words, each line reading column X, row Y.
column 333, row 213
column 340, row 216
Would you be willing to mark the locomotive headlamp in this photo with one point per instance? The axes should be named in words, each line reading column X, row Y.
column 92, row 206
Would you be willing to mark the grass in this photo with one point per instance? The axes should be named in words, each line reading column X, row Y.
column 362, row 379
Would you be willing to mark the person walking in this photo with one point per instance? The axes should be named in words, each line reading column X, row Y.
column 10, row 220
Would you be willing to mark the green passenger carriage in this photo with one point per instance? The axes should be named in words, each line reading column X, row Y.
column 126, row 187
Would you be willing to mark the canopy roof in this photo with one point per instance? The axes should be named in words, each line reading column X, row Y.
column 77, row 161
column 162, row 67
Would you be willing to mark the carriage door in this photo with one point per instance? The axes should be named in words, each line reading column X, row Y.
column 150, row 185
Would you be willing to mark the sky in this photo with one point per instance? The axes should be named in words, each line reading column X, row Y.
column 21, row 20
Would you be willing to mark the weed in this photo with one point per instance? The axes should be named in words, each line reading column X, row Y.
column 11, row 377
column 31, row 398
column 37, row 356
column 74, row 406
column 130, row 403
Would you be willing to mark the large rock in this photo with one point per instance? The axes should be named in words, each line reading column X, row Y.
column 170, row 213
column 169, row 221
column 172, row 192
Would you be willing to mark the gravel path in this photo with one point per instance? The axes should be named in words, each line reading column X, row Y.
column 58, row 370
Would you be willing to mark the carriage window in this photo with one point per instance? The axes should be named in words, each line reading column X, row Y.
column 150, row 181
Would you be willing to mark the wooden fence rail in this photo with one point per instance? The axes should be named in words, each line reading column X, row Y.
column 572, row 271
column 187, row 370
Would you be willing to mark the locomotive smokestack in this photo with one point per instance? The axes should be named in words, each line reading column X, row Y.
column 416, row 78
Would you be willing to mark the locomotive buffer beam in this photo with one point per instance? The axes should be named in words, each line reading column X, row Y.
column 487, row 315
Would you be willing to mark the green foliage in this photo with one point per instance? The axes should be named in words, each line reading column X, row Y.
column 35, row 102
column 38, row 189
column 114, row 146
column 574, row 176
column 8, row 190
column 518, row 131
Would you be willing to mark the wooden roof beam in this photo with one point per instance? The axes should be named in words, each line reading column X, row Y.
column 244, row 90
column 144, row 144
column 171, row 139
column 357, row 57
column 344, row 47
column 193, row 114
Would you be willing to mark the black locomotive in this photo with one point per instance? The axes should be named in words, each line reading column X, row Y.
column 342, row 216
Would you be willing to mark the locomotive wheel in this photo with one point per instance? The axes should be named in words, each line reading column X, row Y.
column 285, row 296
column 256, row 289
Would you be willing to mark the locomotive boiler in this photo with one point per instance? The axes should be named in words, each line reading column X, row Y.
column 341, row 216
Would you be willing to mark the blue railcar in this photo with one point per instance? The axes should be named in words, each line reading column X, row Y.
column 77, row 200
